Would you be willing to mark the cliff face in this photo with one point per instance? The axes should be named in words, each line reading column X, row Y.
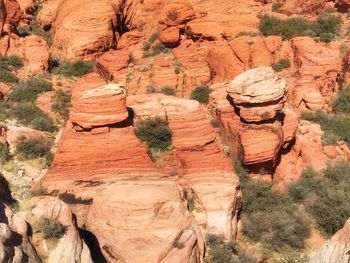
column 337, row 249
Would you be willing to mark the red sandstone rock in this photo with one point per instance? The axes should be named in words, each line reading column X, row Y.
column 176, row 13
column 303, row 7
column 82, row 28
column 258, row 93
column 96, row 103
column 46, row 15
column 12, row 14
column 170, row 36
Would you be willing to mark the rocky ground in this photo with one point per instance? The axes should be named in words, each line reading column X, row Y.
column 174, row 131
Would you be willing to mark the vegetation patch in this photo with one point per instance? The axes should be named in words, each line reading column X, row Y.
column 155, row 133
column 334, row 127
column 33, row 148
column 28, row 90
column 36, row 30
column 325, row 27
column 281, row 64
column 61, row 103
column 77, row 68
column 51, row 228
column 325, row 197
column 168, row 91
column 223, row 252
column 342, row 103
column 4, row 153
column 13, row 61
column 201, row 94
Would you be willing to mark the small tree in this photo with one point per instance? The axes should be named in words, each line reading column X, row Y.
column 33, row 148
column 4, row 153
column 155, row 133
column 51, row 228
column 201, row 94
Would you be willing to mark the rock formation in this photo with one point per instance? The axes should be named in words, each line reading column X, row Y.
column 335, row 250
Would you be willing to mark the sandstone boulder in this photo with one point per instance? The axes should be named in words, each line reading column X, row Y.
column 258, row 94
column 96, row 103
column 336, row 250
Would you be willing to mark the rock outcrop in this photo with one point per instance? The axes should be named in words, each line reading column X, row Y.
column 96, row 103
column 335, row 250
column 259, row 94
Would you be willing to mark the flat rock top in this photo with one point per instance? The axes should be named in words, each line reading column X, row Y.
column 258, row 85
column 108, row 89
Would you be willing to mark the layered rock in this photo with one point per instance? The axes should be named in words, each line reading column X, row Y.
column 336, row 250
column 303, row 7
column 115, row 165
column 95, row 103
column 11, row 13
column 70, row 247
column 93, row 32
column 196, row 149
column 257, row 123
column 259, row 94
column 317, row 70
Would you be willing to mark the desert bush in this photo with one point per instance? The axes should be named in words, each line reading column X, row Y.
column 276, row 6
column 201, row 94
column 51, row 228
column 13, row 61
column 326, row 23
column 29, row 115
column 74, row 69
column 266, row 215
column 61, row 103
column 325, row 197
column 155, row 133
column 281, row 64
column 28, row 90
column 4, row 153
column 342, row 101
column 157, row 49
column 6, row 76
column 36, row 30
column 168, row 91
column 332, row 125
column 32, row 148
column 225, row 252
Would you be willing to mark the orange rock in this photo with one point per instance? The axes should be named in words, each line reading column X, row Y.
column 129, row 39
column 112, row 62
column 260, row 143
column 12, row 14
column 82, row 28
column 5, row 90
column 330, row 151
column 27, row 6
column 177, row 13
column 46, row 15
column 95, row 103
column 302, row 7
column 258, row 94
column 223, row 63
column 170, row 36
column 289, row 125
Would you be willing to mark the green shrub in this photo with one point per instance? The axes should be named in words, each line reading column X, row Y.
column 155, row 133
column 271, row 217
column 342, row 101
column 157, row 49
column 325, row 198
column 28, row 90
column 201, row 94
column 36, row 30
column 4, row 153
column 222, row 252
column 276, row 7
column 51, row 228
column 276, row 229
column 6, row 76
column 32, row 148
column 281, row 64
column 29, row 115
column 61, row 103
column 13, row 61
column 168, row 91
column 326, row 26
column 74, row 69
column 338, row 126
